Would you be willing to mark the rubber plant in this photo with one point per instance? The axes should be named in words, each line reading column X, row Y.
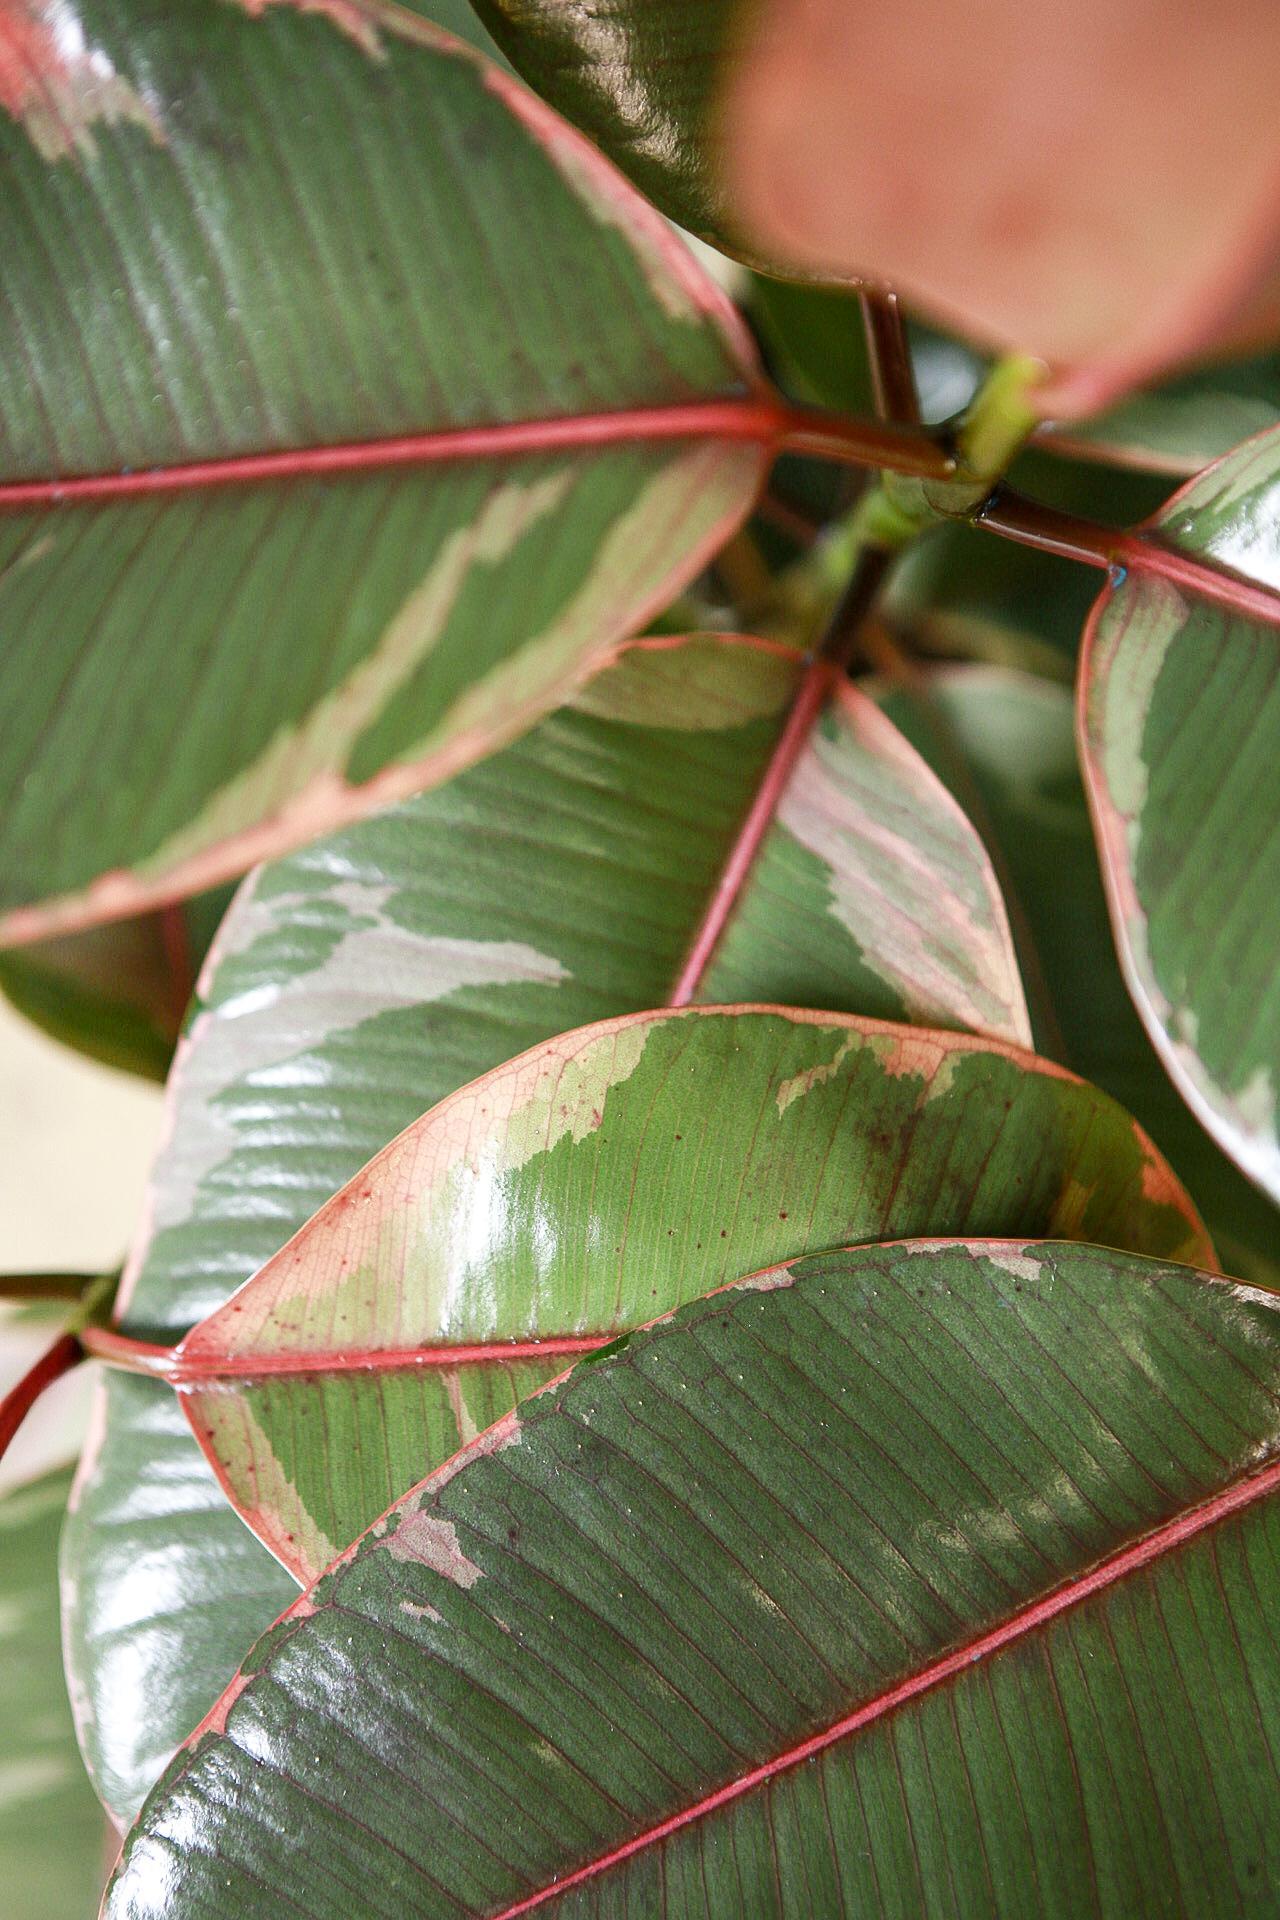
column 705, row 1337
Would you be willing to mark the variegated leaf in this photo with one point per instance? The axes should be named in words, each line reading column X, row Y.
column 351, row 408
column 1180, row 738
column 602, row 1178
column 370, row 975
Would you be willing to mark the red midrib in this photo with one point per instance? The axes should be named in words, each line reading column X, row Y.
column 1146, row 551
column 755, row 417
column 195, row 1369
column 949, row 1666
column 811, row 696
column 1202, row 578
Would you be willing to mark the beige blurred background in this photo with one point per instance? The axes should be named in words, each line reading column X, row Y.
column 77, row 1141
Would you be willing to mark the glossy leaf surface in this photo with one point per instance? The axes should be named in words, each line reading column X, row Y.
column 334, row 537
column 601, row 1179
column 1006, row 743
column 1094, row 185
column 365, row 978
column 640, row 77
column 53, row 1838
column 899, row 1582
column 1180, row 717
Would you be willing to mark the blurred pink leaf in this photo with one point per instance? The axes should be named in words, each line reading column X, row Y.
column 1096, row 182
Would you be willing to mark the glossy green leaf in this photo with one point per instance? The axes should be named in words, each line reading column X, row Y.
column 394, row 409
column 1005, row 742
column 640, row 77
column 602, row 1178
column 377, row 972
column 361, row 980
column 53, row 1838
column 164, row 1589
column 1180, row 728
column 918, row 1580
column 119, row 992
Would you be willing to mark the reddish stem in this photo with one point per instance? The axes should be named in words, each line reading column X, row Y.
column 865, row 443
column 801, row 527
column 65, row 1353
column 893, row 379
column 121, row 1350
column 1049, row 531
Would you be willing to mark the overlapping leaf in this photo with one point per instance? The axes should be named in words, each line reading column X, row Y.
column 341, row 296
column 1083, row 189
column 901, row 1580
column 369, row 976
column 1180, row 717
column 602, row 1178
column 1005, row 741
column 1180, row 427
column 53, row 1838
column 119, row 992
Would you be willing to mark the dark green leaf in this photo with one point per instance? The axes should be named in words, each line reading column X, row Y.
column 118, row 993
column 916, row 1580
column 640, row 77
